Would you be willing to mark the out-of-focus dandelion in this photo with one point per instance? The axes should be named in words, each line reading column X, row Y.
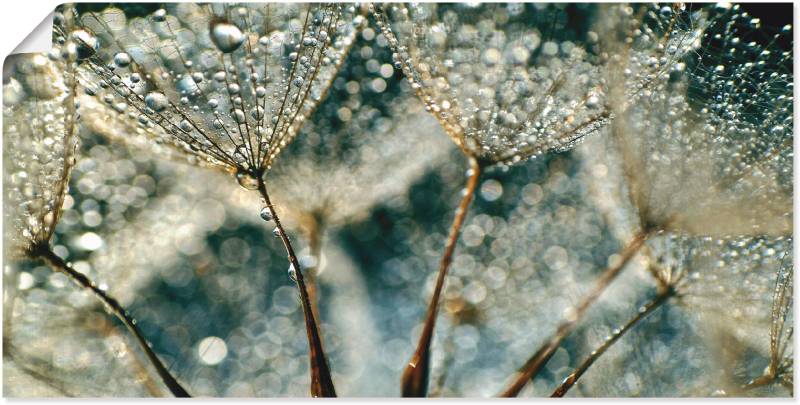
column 781, row 353
column 373, row 157
column 227, row 85
column 40, row 120
column 684, row 110
column 504, row 86
column 720, row 286
column 656, row 244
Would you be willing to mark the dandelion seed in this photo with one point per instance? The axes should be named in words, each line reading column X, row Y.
column 40, row 134
column 498, row 109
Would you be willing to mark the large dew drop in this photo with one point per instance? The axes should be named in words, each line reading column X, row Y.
column 266, row 214
column 246, row 180
column 226, row 36
column 122, row 59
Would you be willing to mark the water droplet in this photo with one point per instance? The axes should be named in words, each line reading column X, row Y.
column 226, row 36
column 246, row 180
column 276, row 232
column 156, row 101
column 122, row 59
column 266, row 214
column 257, row 112
column 238, row 115
column 187, row 86
column 292, row 273
column 160, row 15
column 85, row 44
column 186, row 125
column 593, row 101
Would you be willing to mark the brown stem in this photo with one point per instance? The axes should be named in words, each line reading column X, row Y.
column 138, row 364
column 761, row 381
column 414, row 382
column 540, row 358
column 58, row 264
column 644, row 311
column 321, row 382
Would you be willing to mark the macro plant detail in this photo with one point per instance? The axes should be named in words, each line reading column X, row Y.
column 625, row 228
column 516, row 102
column 41, row 122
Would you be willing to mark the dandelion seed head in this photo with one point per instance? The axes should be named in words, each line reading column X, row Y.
column 501, row 93
column 270, row 64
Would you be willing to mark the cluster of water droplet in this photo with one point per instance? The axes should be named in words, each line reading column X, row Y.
column 508, row 82
column 693, row 150
column 233, row 94
column 710, row 129
column 700, row 117
column 39, row 122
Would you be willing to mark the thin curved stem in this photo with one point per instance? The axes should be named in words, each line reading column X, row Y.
column 58, row 264
column 321, row 382
column 540, row 358
column 414, row 382
column 644, row 311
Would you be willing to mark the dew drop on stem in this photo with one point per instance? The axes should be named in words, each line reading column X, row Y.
column 122, row 59
column 156, row 101
column 226, row 36
column 266, row 214
column 246, row 180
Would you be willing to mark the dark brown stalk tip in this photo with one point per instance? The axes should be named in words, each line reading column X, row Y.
column 414, row 382
column 321, row 382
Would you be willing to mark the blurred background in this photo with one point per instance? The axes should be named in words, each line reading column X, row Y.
column 368, row 191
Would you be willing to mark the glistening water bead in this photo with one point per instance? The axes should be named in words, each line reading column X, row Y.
column 246, row 180
column 266, row 214
column 292, row 273
column 122, row 59
column 226, row 36
column 156, row 101
column 85, row 44
column 160, row 15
